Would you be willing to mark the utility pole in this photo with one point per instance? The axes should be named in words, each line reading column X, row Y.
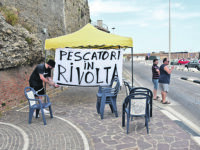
column 169, row 30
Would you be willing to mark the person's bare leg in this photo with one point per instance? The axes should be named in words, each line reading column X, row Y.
column 154, row 94
column 164, row 97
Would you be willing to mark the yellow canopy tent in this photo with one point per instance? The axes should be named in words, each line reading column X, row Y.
column 89, row 37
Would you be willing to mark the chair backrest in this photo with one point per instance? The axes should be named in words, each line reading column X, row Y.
column 142, row 90
column 137, row 104
column 30, row 94
column 116, row 86
column 127, row 87
column 114, row 81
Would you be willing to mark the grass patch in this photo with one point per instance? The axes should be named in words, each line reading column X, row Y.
column 11, row 17
column 29, row 40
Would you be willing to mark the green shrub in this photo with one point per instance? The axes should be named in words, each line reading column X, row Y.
column 11, row 17
column 3, row 104
column 29, row 40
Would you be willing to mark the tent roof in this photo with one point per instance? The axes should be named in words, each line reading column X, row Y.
column 89, row 37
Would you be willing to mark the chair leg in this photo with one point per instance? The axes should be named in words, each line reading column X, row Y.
column 37, row 113
column 146, row 124
column 98, row 106
column 111, row 107
column 127, row 128
column 123, row 116
column 30, row 115
column 114, row 106
column 50, row 110
column 43, row 116
column 102, row 106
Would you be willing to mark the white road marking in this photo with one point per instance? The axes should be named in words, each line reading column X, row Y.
column 25, row 136
column 169, row 115
column 196, row 139
column 184, row 119
column 22, row 108
column 85, row 141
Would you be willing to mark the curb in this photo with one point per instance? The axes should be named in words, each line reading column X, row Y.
column 188, row 79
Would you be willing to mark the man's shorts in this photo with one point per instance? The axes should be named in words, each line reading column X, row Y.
column 155, row 83
column 38, row 89
column 164, row 87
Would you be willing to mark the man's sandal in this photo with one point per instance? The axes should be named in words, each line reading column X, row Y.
column 166, row 102
column 156, row 98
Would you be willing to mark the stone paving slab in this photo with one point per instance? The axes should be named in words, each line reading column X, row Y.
column 78, row 105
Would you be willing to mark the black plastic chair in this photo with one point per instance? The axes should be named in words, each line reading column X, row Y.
column 130, row 109
column 145, row 91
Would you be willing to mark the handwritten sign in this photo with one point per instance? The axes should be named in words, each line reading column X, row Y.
column 87, row 67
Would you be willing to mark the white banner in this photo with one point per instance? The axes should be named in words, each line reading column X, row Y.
column 87, row 67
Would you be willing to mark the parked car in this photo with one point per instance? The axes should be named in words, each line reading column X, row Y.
column 193, row 64
column 183, row 61
column 174, row 62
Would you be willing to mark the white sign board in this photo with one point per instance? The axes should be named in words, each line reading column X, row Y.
column 87, row 67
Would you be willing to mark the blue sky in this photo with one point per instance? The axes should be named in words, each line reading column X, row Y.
column 146, row 21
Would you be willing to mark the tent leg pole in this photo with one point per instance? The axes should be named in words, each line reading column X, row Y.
column 45, row 85
column 132, row 63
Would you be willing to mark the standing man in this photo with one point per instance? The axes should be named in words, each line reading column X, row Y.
column 42, row 73
column 164, row 79
column 155, row 78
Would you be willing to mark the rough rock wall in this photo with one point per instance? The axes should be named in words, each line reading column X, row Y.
column 57, row 16
column 77, row 14
column 17, row 46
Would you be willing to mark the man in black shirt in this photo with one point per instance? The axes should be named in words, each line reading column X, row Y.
column 155, row 78
column 42, row 73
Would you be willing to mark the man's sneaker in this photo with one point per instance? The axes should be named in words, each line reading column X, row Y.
column 46, row 111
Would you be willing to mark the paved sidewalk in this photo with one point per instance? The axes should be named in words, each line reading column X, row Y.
column 77, row 105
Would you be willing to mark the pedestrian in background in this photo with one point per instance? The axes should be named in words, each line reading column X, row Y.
column 155, row 78
column 164, row 79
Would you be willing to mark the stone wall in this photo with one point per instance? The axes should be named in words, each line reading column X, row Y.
column 77, row 14
column 12, row 84
column 57, row 16
column 17, row 46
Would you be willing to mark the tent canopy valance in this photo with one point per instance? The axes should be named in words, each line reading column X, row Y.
column 89, row 37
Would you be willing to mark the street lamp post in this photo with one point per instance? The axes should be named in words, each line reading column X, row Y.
column 169, row 30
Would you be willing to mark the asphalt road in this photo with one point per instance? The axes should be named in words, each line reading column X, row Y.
column 184, row 95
